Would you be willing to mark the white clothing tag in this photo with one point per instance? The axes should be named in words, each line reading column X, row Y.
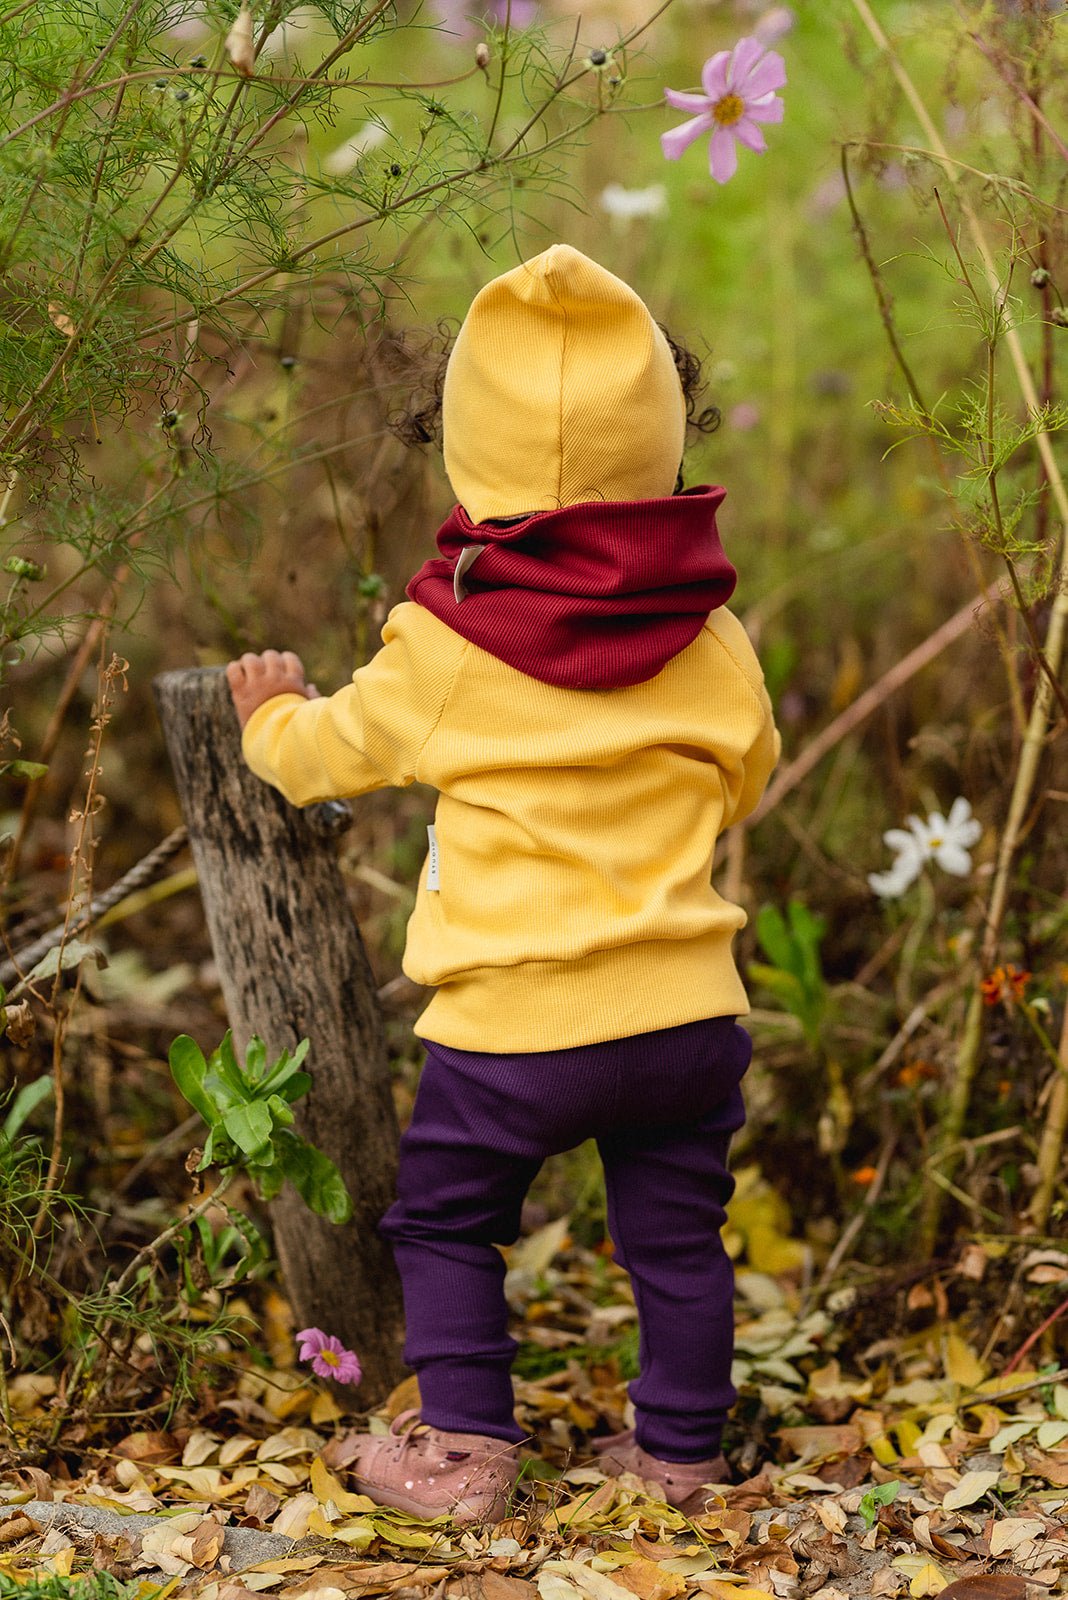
column 433, row 878
column 466, row 559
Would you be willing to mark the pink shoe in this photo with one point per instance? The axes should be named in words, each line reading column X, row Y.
column 416, row 1468
column 685, row 1484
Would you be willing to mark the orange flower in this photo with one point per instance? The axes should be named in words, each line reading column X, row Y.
column 914, row 1072
column 1006, row 983
column 990, row 988
column 1018, row 979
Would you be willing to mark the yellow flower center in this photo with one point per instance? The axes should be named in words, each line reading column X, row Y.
column 330, row 1357
column 936, row 844
column 729, row 110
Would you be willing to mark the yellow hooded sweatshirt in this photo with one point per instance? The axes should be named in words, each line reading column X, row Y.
column 566, row 898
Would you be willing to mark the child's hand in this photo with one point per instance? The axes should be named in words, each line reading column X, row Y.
column 255, row 679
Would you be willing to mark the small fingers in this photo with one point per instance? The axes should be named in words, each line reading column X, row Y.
column 252, row 665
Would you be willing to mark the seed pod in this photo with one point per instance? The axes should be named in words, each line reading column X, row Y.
column 19, row 567
column 239, row 43
column 482, row 55
column 1039, row 278
column 597, row 58
column 1059, row 316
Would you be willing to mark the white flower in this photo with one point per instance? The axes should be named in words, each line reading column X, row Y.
column 944, row 840
column 948, row 839
column 628, row 203
column 907, row 866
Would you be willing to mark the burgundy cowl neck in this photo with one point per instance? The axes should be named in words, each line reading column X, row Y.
column 592, row 596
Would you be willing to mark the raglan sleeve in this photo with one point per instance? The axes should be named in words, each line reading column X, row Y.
column 371, row 733
column 758, row 762
column 749, row 744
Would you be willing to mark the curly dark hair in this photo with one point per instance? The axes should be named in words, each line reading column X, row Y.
column 420, row 424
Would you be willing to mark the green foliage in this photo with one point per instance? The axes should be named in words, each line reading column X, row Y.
column 880, row 1494
column 795, row 975
column 30, row 1213
column 22, row 1106
column 250, row 1125
column 216, row 1261
column 92, row 1585
column 160, row 211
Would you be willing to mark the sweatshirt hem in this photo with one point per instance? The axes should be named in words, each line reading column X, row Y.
column 608, row 994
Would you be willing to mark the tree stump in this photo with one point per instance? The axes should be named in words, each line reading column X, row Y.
column 292, row 964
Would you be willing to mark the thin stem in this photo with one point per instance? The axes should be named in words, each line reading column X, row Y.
column 878, row 284
column 9, row 490
column 50, row 738
column 1016, row 88
column 936, row 431
column 502, row 79
column 401, row 203
column 1024, row 609
column 343, row 46
column 863, row 706
column 1033, row 1338
column 1038, row 722
column 1051, row 1144
column 512, row 151
column 860, row 1217
column 154, row 1246
column 80, row 864
column 5, row 1402
column 943, row 159
column 94, row 192
column 1046, row 1044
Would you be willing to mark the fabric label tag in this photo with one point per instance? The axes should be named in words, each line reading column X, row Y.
column 433, row 879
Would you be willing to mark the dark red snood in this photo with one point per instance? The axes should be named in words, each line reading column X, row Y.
column 593, row 596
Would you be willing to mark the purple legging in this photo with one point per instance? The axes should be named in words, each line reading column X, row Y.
column 662, row 1107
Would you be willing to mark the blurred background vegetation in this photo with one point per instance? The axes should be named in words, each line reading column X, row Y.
column 219, row 290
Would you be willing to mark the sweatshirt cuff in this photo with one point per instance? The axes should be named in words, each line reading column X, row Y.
column 255, row 725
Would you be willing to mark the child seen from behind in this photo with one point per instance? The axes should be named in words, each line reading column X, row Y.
column 567, row 676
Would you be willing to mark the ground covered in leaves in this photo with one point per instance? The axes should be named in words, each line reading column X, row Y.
column 905, row 1468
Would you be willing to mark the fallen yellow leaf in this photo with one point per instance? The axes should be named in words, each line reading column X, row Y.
column 326, row 1487
column 732, row 1591
column 649, row 1581
column 961, row 1363
column 972, row 1487
column 405, row 1397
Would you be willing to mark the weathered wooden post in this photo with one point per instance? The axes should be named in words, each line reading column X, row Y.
column 292, row 964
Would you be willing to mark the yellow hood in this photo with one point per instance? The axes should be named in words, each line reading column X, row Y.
column 560, row 389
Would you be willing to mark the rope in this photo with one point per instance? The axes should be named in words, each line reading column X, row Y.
column 329, row 819
column 140, row 875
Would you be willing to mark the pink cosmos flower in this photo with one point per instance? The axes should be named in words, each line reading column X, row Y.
column 739, row 87
column 328, row 1356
